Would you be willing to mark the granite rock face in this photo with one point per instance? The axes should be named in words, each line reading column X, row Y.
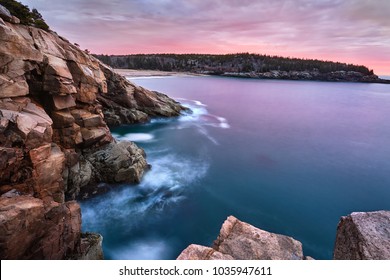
column 56, row 102
column 128, row 103
column 363, row 236
column 52, row 92
column 32, row 229
column 241, row 241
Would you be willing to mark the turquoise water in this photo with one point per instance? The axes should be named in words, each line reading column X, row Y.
column 290, row 157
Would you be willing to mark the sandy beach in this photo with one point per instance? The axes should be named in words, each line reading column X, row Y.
column 151, row 73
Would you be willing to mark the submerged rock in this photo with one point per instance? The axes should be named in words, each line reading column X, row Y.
column 241, row 241
column 363, row 236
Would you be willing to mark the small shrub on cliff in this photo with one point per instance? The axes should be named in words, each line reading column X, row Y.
column 38, row 20
column 27, row 17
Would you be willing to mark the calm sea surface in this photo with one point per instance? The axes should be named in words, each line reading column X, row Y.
column 290, row 157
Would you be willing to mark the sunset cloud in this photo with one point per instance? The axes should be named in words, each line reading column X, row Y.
column 354, row 31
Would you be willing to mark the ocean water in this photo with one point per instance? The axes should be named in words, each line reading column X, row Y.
column 290, row 157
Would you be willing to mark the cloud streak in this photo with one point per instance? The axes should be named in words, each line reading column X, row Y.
column 354, row 31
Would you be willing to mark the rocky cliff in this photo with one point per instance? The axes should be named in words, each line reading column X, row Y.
column 56, row 103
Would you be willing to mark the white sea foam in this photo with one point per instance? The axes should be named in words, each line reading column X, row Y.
column 199, row 112
column 138, row 137
column 223, row 123
column 161, row 120
column 143, row 249
column 164, row 185
column 204, row 132
column 199, row 103
column 189, row 102
column 200, row 118
column 174, row 171
column 194, row 115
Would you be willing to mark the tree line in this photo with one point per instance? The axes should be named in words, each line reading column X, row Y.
column 24, row 14
column 233, row 63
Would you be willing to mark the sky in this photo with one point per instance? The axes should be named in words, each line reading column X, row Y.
column 351, row 31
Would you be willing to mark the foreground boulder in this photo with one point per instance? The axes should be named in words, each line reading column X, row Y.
column 363, row 236
column 360, row 236
column 56, row 102
column 241, row 241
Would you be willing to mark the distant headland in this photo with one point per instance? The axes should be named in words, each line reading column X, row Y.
column 246, row 65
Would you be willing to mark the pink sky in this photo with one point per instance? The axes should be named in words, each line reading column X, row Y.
column 352, row 31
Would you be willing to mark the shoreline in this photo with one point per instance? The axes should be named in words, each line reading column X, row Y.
column 135, row 73
column 142, row 73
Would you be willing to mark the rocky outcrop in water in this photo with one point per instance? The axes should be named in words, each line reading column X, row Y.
column 360, row 236
column 363, row 236
column 56, row 103
column 241, row 241
column 334, row 76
